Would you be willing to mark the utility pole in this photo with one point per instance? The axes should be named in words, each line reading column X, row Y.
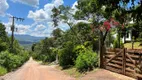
column 13, row 29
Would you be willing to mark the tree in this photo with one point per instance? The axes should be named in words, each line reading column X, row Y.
column 57, row 33
column 102, row 15
column 3, row 38
column 63, row 14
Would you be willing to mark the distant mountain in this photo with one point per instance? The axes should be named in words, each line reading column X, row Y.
column 27, row 39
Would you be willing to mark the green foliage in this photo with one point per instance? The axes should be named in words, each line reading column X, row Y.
column 57, row 33
column 3, row 45
column 109, row 39
column 66, row 55
column 16, row 48
column 43, row 50
column 3, row 38
column 2, row 71
column 86, row 60
column 3, row 34
column 64, row 43
column 79, row 49
column 116, row 43
column 11, row 61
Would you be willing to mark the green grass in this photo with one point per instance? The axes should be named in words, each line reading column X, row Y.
column 2, row 71
column 136, row 45
column 72, row 71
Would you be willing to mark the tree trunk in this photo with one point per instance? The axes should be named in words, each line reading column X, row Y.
column 101, row 50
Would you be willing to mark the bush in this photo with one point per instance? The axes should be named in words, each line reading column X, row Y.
column 11, row 61
column 3, row 45
column 2, row 71
column 66, row 55
column 86, row 60
column 116, row 43
column 25, row 55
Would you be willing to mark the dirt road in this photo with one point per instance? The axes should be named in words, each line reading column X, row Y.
column 34, row 71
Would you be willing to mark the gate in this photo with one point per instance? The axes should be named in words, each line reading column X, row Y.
column 123, row 61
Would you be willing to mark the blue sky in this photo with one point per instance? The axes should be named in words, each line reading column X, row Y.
column 36, row 13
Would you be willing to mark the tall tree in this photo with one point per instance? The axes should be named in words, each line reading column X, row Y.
column 63, row 14
column 3, row 38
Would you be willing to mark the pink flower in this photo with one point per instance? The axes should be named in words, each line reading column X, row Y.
column 107, row 25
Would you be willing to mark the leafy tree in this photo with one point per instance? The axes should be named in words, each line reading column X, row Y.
column 3, row 38
column 63, row 14
column 43, row 50
column 3, row 34
column 57, row 33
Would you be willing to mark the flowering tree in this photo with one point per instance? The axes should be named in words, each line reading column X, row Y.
column 104, row 29
column 106, row 26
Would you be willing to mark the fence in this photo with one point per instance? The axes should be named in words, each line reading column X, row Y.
column 123, row 61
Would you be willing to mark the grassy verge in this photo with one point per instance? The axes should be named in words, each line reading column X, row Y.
column 136, row 45
column 2, row 71
column 72, row 71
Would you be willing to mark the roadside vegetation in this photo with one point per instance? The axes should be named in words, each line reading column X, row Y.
column 78, row 47
column 10, row 59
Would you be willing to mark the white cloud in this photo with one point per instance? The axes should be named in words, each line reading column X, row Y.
column 33, row 3
column 42, row 31
column 39, row 15
column 40, row 27
column 45, row 13
column 3, row 7
column 58, row 2
column 21, row 29
column 39, row 31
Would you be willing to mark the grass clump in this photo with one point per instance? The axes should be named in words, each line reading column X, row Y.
column 2, row 71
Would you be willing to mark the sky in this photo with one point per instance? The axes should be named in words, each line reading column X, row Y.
column 36, row 14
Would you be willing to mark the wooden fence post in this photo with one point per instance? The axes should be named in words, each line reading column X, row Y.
column 124, row 61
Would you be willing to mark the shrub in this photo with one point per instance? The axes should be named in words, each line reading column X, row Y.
column 86, row 60
column 2, row 71
column 25, row 55
column 66, row 55
column 3, row 45
column 11, row 61
column 116, row 43
column 79, row 49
